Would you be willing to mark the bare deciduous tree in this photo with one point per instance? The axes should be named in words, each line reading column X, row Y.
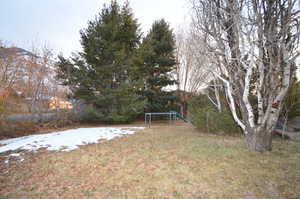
column 38, row 84
column 254, row 44
column 191, row 72
column 31, row 74
column 194, row 67
column 10, row 73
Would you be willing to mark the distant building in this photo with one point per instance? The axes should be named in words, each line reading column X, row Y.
column 57, row 103
column 31, row 82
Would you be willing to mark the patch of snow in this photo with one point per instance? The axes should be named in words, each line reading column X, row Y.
column 14, row 155
column 65, row 140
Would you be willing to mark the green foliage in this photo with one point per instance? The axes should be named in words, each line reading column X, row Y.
column 155, row 63
column 91, row 115
column 101, row 74
column 291, row 103
column 124, row 107
column 116, row 75
column 162, row 101
column 207, row 118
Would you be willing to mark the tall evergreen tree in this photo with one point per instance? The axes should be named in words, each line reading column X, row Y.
column 100, row 74
column 157, row 62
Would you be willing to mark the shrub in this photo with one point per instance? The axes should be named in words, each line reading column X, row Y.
column 91, row 115
column 12, row 129
column 291, row 103
column 16, row 128
column 62, row 119
column 207, row 118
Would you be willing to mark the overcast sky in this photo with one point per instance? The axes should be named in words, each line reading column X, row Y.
column 57, row 22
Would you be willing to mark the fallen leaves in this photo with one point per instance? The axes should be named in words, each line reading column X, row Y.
column 161, row 162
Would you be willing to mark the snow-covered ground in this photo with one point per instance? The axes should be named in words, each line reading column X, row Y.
column 64, row 140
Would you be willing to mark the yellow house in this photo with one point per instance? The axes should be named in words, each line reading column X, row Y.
column 56, row 103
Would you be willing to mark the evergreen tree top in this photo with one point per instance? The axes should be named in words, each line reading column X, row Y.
column 161, row 37
column 113, row 30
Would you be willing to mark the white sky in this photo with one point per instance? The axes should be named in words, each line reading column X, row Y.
column 57, row 22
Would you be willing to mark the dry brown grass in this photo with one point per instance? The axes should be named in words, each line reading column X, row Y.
column 160, row 162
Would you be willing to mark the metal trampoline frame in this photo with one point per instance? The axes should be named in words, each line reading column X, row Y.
column 148, row 117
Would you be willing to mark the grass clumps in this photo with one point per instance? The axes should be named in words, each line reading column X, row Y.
column 160, row 162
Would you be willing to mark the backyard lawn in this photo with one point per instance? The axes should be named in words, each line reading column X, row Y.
column 159, row 162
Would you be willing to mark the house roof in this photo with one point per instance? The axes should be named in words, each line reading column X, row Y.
column 4, row 52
